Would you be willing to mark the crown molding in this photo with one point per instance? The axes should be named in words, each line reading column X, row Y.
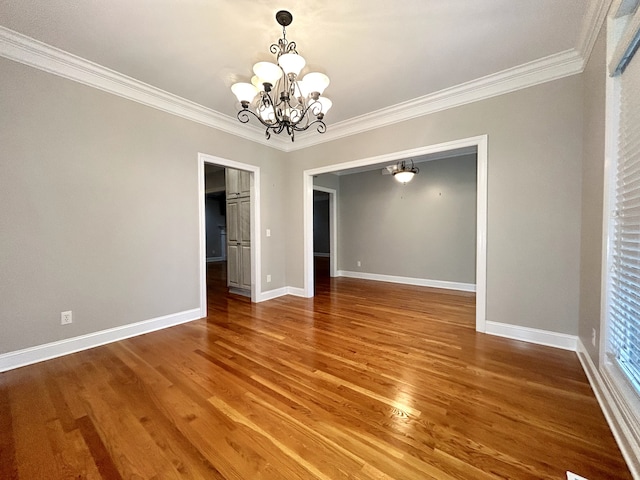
column 546, row 69
column 594, row 19
column 26, row 50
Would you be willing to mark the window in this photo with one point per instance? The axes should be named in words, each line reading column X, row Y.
column 620, row 358
column 624, row 305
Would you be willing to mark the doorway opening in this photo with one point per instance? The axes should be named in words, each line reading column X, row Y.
column 477, row 144
column 215, row 209
column 325, row 244
column 216, row 253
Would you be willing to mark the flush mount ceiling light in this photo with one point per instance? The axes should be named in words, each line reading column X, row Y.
column 281, row 101
column 403, row 173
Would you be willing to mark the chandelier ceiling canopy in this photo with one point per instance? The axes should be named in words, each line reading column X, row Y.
column 277, row 97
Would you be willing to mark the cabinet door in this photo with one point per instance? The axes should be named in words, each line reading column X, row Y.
column 244, row 212
column 233, row 221
column 244, row 183
column 233, row 266
column 232, row 182
column 245, row 253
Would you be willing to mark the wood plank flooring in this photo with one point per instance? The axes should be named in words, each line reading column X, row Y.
column 367, row 380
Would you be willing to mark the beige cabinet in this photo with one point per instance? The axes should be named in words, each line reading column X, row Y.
column 239, row 230
column 238, row 183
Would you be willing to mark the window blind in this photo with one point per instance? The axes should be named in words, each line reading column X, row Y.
column 624, row 305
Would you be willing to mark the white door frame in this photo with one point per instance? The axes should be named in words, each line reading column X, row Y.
column 256, row 248
column 480, row 142
column 333, row 228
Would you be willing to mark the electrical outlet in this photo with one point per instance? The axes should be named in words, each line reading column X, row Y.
column 359, row 263
column 593, row 337
column 268, row 278
column 66, row 318
column 268, row 232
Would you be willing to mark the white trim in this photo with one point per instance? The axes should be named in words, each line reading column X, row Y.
column 594, row 19
column 307, row 235
column 280, row 292
column 482, row 193
column 546, row 69
column 215, row 259
column 322, row 254
column 202, row 242
column 40, row 353
column 421, row 282
column 271, row 294
column 21, row 48
column 256, row 241
column 480, row 142
column 615, row 418
column 26, row 50
column 533, row 335
column 333, row 228
column 296, row 292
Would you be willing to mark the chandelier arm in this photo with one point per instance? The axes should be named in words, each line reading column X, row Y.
column 283, row 46
column 304, row 112
column 321, row 128
column 291, row 48
column 277, row 129
column 244, row 118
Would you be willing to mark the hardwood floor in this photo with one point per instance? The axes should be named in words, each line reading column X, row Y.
column 367, row 380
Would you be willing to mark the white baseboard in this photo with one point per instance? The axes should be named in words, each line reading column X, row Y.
column 318, row 254
column 615, row 417
column 39, row 353
column 296, row 292
column 280, row 292
column 215, row 259
column 422, row 282
column 533, row 335
column 271, row 294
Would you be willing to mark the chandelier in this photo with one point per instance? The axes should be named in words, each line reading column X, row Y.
column 404, row 173
column 282, row 101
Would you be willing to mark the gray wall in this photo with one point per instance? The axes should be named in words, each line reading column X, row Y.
column 592, row 195
column 328, row 180
column 425, row 229
column 99, row 208
column 534, row 184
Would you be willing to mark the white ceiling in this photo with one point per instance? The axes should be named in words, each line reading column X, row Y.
column 378, row 53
